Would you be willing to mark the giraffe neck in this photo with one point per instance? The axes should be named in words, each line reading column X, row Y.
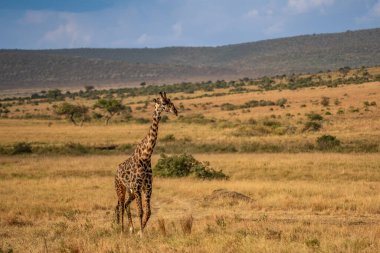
column 145, row 149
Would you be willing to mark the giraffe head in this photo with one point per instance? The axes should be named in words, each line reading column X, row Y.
column 164, row 104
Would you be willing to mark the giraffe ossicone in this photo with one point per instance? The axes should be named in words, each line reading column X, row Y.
column 133, row 180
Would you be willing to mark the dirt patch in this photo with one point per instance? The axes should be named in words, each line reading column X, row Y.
column 225, row 194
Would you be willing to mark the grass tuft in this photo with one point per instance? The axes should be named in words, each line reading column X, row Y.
column 187, row 224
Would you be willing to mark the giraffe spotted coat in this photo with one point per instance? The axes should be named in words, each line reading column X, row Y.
column 133, row 180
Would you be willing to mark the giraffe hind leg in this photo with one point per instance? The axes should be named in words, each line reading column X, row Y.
column 127, row 205
column 117, row 213
column 120, row 191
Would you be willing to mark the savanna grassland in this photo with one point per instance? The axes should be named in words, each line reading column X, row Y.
column 307, row 158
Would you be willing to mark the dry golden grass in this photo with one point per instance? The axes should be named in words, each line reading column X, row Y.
column 301, row 203
column 305, row 202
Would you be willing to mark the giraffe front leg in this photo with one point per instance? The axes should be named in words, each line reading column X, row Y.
column 147, row 212
column 140, row 210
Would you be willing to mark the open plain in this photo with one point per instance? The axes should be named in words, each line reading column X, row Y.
column 305, row 195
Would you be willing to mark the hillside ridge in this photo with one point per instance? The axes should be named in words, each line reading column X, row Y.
column 298, row 54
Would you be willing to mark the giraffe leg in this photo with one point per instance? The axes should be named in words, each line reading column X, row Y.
column 117, row 212
column 139, row 209
column 120, row 191
column 127, row 205
column 122, row 216
column 147, row 212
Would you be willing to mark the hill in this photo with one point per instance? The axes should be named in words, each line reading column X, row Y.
column 307, row 53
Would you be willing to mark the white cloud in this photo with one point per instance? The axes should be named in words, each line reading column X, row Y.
column 275, row 28
column 143, row 39
column 252, row 13
column 177, row 29
column 371, row 15
column 68, row 33
column 302, row 6
column 375, row 12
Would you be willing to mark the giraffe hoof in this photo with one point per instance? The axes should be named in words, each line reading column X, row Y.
column 131, row 230
column 141, row 234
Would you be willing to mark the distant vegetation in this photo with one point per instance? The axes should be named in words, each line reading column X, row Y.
column 242, row 85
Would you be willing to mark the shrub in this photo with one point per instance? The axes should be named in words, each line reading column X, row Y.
column 325, row 101
column 195, row 118
column 312, row 126
column 168, row 137
column 228, row 107
column 271, row 123
column 142, row 120
column 164, row 118
column 281, row 102
column 185, row 165
column 340, row 111
column 75, row 148
column 313, row 243
column 22, row 148
column 326, row 142
column 367, row 103
column 96, row 115
column 314, row 116
column 354, row 109
column 124, row 147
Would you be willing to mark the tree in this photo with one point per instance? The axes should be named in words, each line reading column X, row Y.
column 72, row 112
column 344, row 71
column 143, row 84
column 88, row 88
column 54, row 94
column 110, row 106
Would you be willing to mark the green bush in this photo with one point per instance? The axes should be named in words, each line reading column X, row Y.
column 312, row 126
column 314, row 116
column 228, row 107
column 142, row 120
column 75, row 148
column 168, row 138
column 196, row 119
column 340, row 111
column 125, row 147
column 271, row 123
column 164, row 118
column 326, row 142
column 185, row 165
column 22, row 148
column 281, row 102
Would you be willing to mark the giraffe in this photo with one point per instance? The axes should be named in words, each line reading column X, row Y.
column 133, row 179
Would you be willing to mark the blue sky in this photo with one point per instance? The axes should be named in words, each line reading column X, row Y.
column 34, row 24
